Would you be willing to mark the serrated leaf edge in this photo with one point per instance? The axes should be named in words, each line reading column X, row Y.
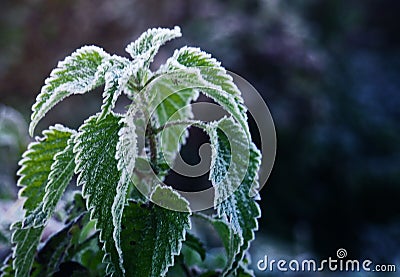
column 78, row 169
column 38, row 111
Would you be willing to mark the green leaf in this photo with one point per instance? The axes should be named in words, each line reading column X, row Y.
column 178, row 82
column 95, row 148
column 229, row 162
column 247, row 208
column 60, row 176
column 39, row 168
column 36, row 166
column 153, row 235
column 147, row 45
column 26, row 241
column 195, row 243
column 55, row 249
column 174, row 107
column 166, row 197
column 230, row 240
column 168, row 97
column 118, row 70
column 127, row 149
column 217, row 83
column 143, row 179
column 231, row 155
column 77, row 74
column 84, row 246
column 126, row 153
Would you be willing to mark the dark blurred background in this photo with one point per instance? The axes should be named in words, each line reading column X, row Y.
column 329, row 71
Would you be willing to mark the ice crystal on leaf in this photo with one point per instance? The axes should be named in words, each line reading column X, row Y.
column 146, row 46
column 77, row 74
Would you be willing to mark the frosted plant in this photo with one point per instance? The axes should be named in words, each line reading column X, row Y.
column 126, row 221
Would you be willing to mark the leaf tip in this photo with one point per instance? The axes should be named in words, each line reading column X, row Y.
column 31, row 129
column 177, row 31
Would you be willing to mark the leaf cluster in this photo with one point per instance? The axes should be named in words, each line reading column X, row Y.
column 126, row 219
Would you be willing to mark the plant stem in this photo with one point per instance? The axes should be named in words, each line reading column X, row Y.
column 181, row 122
column 152, row 144
column 203, row 217
column 150, row 135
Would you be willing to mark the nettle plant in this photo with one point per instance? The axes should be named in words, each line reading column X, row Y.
column 126, row 221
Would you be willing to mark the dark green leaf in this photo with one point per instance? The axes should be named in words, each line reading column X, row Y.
column 151, row 235
column 55, row 249
column 194, row 243
column 36, row 166
column 26, row 241
column 95, row 148
column 234, row 188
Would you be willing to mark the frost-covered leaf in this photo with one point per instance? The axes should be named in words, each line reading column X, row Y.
column 95, row 148
column 127, row 157
column 26, row 241
column 126, row 154
column 218, row 84
column 229, row 162
column 118, row 70
column 169, row 96
column 232, row 154
column 152, row 235
column 127, row 149
column 186, row 73
column 167, row 197
column 77, row 74
column 40, row 167
column 173, row 107
column 247, row 209
column 37, row 165
column 147, row 45
column 234, row 247
column 61, row 174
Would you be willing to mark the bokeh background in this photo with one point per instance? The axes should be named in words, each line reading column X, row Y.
column 328, row 70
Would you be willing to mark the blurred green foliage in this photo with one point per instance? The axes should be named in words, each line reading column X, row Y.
column 13, row 142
